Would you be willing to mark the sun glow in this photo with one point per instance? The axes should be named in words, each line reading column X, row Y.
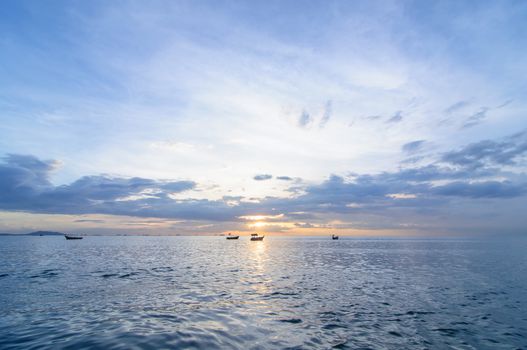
column 261, row 217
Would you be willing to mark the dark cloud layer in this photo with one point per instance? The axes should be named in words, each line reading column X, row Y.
column 486, row 189
column 489, row 152
column 469, row 173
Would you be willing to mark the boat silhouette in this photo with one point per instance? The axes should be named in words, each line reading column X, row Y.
column 256, row 237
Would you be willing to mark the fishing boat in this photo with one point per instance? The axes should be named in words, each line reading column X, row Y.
column 72, row 237
column 256, row 237
column 230, row 236
column 334, row 237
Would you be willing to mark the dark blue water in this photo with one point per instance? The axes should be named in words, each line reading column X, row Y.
column 206, row 293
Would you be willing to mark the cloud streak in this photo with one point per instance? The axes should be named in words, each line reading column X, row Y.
column 262, row 177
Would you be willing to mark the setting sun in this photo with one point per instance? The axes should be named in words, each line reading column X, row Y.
column 258, row 224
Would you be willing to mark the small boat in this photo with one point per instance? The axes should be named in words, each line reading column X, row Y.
column 230, row 236
column 72, row 237
column 334, row 237
column 256, row 237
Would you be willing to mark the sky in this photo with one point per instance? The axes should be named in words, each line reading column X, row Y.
column 283, row 117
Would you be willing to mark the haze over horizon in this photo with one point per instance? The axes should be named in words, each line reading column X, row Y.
column 185, row 117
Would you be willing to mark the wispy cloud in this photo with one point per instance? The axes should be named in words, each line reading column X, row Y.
column 373, row 117
column 504, row 104
column 396, row 118
column 476, row 118
column 95, row 221
column 305, row 119
column 414, row 146
column 480, row 116
column 456, row 107
column 328, row 110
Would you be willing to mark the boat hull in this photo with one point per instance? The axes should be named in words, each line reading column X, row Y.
column 257, row 238
column 72, row 237
column 233, row 237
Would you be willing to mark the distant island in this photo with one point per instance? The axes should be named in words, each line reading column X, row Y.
column 36, row 233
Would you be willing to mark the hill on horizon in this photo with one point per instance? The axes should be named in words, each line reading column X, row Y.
column 35, row 233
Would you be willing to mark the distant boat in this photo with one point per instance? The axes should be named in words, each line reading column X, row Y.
column 256, row 237
column 230, row 236
column 72, row 237
column 334, row 237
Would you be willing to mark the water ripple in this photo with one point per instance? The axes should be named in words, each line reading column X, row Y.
column 282, row 293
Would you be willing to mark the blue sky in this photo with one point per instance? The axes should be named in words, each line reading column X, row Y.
column 291, row 117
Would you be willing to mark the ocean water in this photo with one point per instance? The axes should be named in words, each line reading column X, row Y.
column 301, row 293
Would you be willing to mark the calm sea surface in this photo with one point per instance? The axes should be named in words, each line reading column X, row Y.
column 207, row 292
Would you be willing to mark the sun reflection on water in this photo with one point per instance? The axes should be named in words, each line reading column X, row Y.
column 260, row 279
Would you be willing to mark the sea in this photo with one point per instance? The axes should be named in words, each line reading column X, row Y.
column 282, row 293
